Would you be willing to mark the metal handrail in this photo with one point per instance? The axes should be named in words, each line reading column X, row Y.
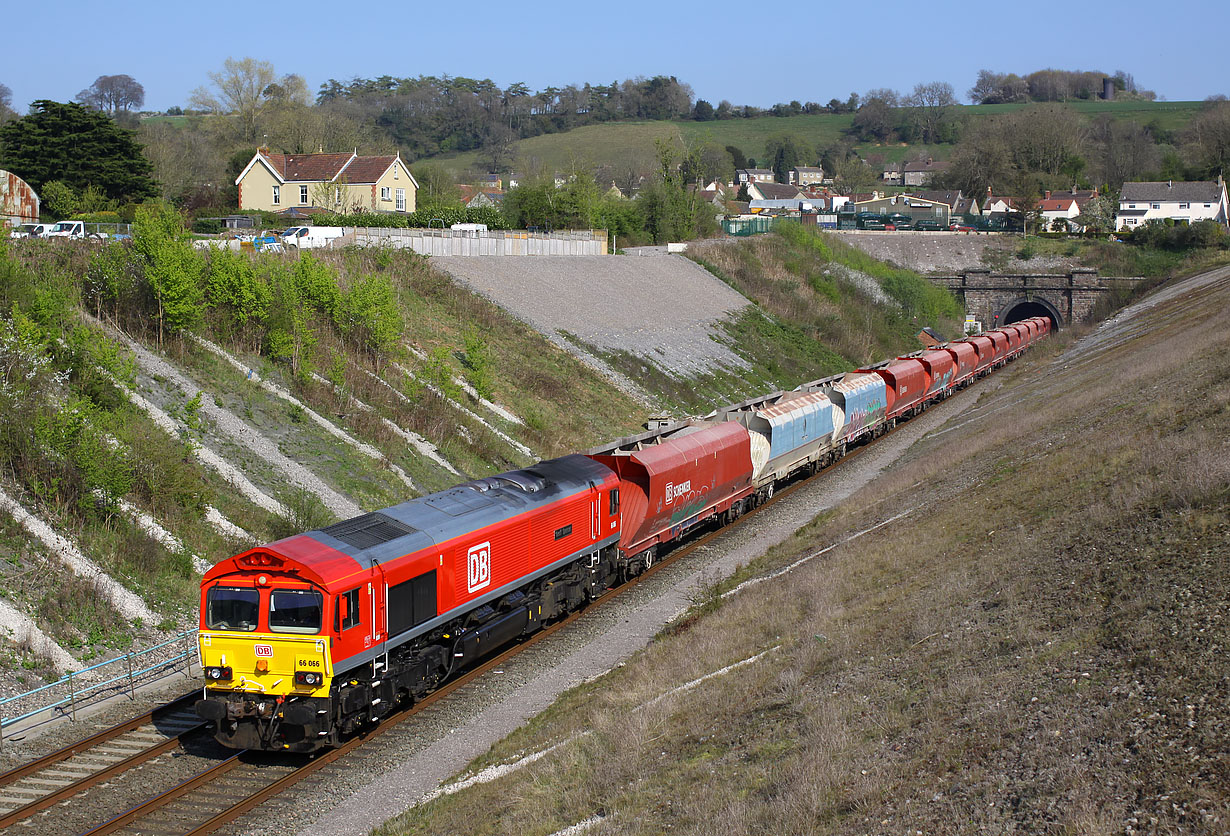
column 73, row 678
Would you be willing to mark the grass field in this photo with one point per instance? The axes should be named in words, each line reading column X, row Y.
column 631, row 144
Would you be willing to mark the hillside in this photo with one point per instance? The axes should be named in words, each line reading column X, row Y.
column 165, row 408
column 1030, row 638
column 621, row 145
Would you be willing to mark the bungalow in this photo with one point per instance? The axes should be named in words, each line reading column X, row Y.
column 1188, row 202
column 338, row 182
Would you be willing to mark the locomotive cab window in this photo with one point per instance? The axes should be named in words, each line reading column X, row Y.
column 348, row 609
column 614, row 503
column 228, row 608
column 295, row 611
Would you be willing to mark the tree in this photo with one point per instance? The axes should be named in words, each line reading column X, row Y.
column 82, row 148
column 874, row 121
column 1206, row 142
column 112, row 94
column 931, row 103
column 786, row 151
column 241, row 89
column 1099, row 214
column 173, row 269
column 6, row 103
column 703, row 111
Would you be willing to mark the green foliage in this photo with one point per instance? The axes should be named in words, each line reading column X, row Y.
column 420, row 219
column 478, row 363
column 80, row 147
column 370, row 315
column 173, row 269
column 437, row 374
column 1181, row 237
column 111, row 277
column 233, row 286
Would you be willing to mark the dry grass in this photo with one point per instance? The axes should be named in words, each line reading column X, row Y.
column 1039, row 648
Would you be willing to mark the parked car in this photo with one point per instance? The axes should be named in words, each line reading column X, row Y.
column 928, row 225
column 900, row 221
column 958, row 227
column 30, row 231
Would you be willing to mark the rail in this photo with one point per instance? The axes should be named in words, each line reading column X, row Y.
column 81, row 688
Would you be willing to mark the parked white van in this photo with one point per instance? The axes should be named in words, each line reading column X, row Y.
column 311, row 237
column 30, row 231
column 67, row 229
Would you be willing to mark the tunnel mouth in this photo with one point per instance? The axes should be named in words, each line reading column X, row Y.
column 1021, row 309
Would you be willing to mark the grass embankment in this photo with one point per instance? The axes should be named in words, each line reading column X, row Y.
column 1039, row 645
column 72, row 446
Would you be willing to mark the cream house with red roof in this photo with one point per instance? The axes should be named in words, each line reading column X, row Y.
column 337, row 182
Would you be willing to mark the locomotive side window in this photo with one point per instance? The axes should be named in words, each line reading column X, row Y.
column 614, row 503
column 349, row 602
column 295, row 611
column 227, row 608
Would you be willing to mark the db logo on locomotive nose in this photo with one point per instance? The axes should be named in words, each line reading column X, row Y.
column 478, row 564
column 263, row 650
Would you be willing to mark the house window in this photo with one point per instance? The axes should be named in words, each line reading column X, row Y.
column 1156, row 205
column 1185, row 205
column 277, row 195
column 401, row 200
column 1131, row 205
column 303, row 194
column 386, row 193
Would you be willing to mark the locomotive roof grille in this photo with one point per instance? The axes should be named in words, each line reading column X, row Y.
column 368, row 530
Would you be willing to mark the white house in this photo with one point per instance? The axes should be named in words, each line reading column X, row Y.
column 753, row 175
column 1199, row 200
column 1063, row 208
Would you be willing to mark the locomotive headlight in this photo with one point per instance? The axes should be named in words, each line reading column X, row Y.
column 311, row 679
column 218, row 673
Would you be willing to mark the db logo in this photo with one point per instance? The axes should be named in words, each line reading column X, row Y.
column 263, row 650
column 478, row 566
column 673, row 492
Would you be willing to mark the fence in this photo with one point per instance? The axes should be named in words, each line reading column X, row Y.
column 76, row 688
column 748, row 226
column 470, row 242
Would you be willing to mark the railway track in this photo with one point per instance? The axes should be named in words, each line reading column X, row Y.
column 43, row 783
column 233, row 786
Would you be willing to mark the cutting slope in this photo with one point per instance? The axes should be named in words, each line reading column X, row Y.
column 665, row 308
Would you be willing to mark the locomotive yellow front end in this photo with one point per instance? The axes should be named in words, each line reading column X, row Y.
column 266, row 660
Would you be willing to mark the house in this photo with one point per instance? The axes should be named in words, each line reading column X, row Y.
column 1058, row 212
column 337, row 182
column 915, row 207
column 999, row 205
column 490, row 198
column 758, row 190
column 958, row 204
column 892, row 174
column 1187, row 202
column 19, row 204
column 806, row 175
column 918, row 172
column 744, row 176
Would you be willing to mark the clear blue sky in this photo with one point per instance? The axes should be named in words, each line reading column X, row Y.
column 750, row 53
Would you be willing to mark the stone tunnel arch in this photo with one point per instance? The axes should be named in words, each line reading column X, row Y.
column 1023, row 308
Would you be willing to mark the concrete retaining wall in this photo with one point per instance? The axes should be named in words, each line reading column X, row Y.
column 448, row 242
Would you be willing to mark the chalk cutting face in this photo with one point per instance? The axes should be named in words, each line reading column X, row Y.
column 478, row 567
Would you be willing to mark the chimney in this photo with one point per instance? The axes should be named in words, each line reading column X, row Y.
column 1170, row 184
column 1048, row 195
